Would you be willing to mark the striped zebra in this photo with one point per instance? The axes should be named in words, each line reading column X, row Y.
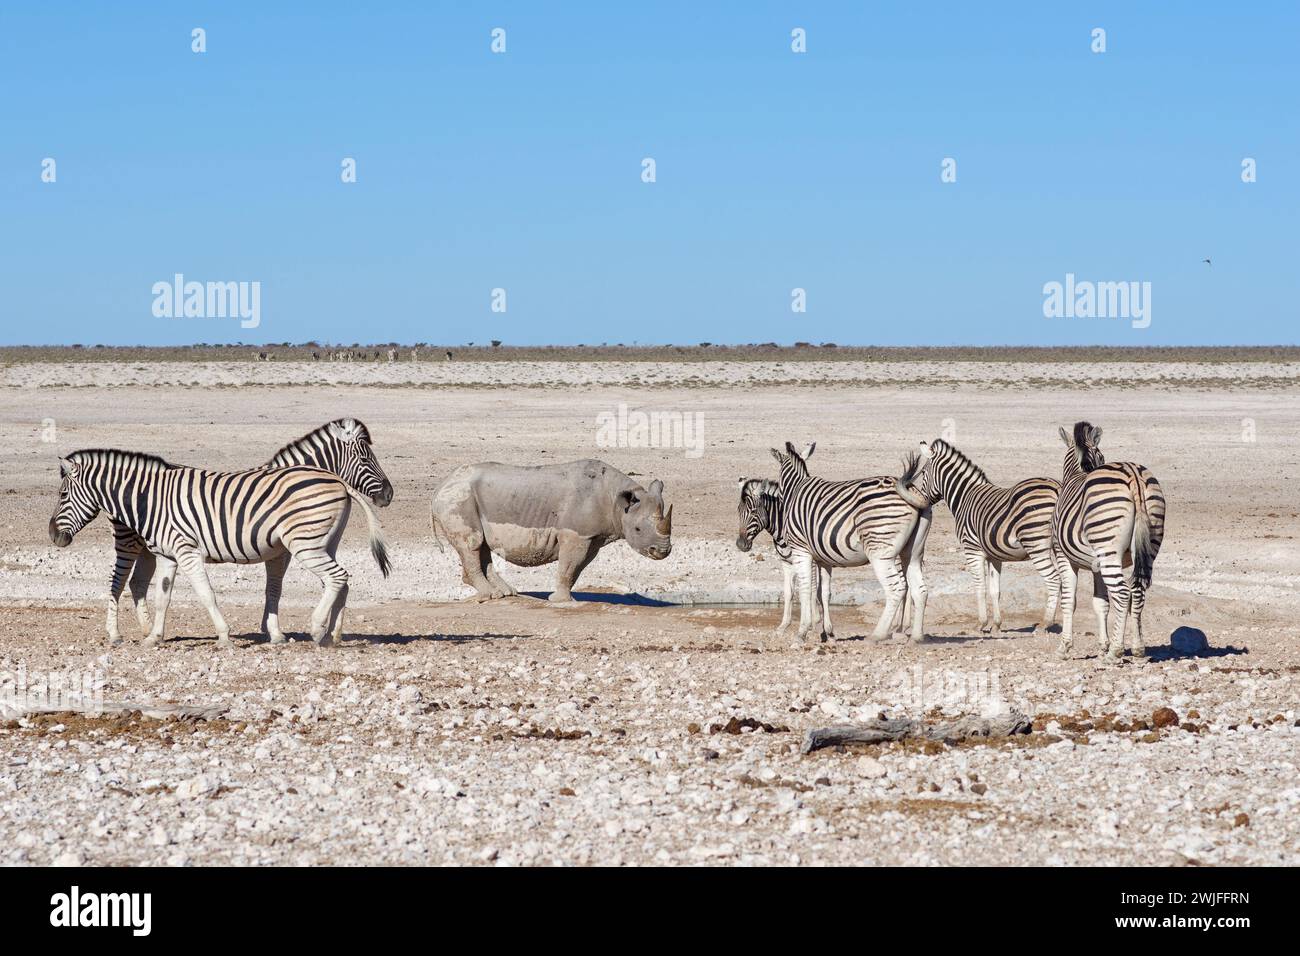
column 1107, row 518
column 994, row 524
column 342, row 447
column 845, row 524
column 187, row 516
column 760, row 510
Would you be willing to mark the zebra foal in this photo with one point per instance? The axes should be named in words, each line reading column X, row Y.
column 760, row 510
column 187, row 516
column 1108, row 518
column 845, row 524
column 994, row 524
column 342, row 447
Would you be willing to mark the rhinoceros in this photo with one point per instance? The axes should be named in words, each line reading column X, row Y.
column 537, row 514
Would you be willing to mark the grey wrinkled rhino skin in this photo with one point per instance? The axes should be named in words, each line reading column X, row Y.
column 537, row 514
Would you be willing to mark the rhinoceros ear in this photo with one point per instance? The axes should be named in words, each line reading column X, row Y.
column 656, row 489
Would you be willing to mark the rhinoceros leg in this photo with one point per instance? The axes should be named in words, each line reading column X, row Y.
column 575, row 554
column 499, row 586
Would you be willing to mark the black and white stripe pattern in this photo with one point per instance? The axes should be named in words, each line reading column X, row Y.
column 342, row 447
column 994, row 524
column 760, row 510
column 1108, row 518
column 844, row 524
column 187, row 516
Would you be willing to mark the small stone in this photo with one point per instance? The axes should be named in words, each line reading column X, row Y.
column 711, row 755
column 979, row 788
column 871, row 768
column 692, row 728
column 1164, row 717
column 1241, row 820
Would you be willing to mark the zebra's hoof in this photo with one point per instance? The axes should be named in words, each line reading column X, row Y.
column 224, row 642
column 278, row 639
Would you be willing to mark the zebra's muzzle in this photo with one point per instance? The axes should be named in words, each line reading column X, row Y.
column 385, row 496
column 743, row 543
column 60, row 537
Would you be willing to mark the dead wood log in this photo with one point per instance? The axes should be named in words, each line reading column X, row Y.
column 113, row 708
column 883, row 730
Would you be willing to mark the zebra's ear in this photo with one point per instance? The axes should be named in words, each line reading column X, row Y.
column 776, row 454
column 67, row 467
column 1095, row 435
column 740, row 483
column 1065, row 437
column 925, row 450
column 807, row 452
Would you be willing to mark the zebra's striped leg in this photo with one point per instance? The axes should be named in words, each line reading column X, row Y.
column 916, row 595
column 824, row 592
column 995, row 593
column 191, row 562
column 892, row 581
column 1137, row 601
column 332, row 576
column 163, row 600
column 977, row 566
column 803, row 565
column 1119, row 593
column 1042, row 562
column 141, row 578
column 340, row 605
column 787, row 595
column 121, row 567
column 275, row 569
column 1100, row 606
column 1069, row 583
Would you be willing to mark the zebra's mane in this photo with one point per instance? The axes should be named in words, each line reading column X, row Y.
column 1087, row 462
column 762, row 488
column 960, row 458
column 323, row 431
column 86, row 455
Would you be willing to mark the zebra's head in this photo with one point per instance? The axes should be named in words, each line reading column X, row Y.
column 355, row 460
column 1083, row 449
column 78, row 503
column 758, row 497
column 794, row 464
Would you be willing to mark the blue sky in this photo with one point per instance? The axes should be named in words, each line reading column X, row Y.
column 775, row 170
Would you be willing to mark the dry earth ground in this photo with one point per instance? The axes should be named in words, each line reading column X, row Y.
column 520, row 732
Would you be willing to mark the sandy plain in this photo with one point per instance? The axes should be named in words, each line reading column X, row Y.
column 445, row 731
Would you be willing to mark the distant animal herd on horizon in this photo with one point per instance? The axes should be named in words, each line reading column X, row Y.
column 1106, row 517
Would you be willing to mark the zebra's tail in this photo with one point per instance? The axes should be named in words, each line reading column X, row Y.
column 903, row 483
column 378, row 546
column 1144, row 546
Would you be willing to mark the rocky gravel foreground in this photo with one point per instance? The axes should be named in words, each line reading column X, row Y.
column 518, row 733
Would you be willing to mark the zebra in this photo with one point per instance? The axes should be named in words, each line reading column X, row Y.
column 994, row 524
column 1107, row 518
column 342, row 446
column 760, row 510
column 187, row 516
column 844, row 524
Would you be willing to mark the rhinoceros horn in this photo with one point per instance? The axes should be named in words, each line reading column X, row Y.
column 664, row 522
